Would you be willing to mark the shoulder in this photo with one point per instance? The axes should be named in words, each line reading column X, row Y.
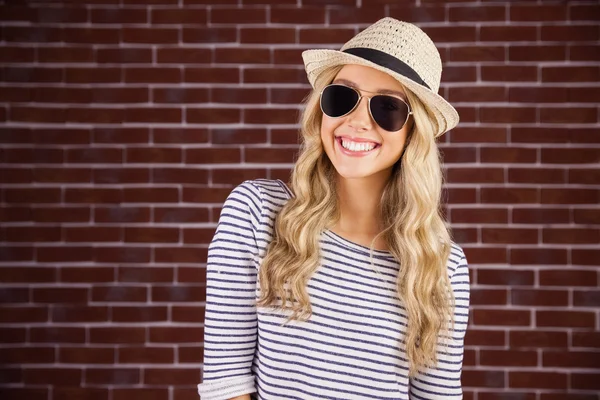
column 457, row 261
column 262, row 195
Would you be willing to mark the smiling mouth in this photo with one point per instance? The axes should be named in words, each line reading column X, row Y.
column 339, row 140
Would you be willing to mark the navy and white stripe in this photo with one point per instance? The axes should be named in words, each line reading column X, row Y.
column 349, row 347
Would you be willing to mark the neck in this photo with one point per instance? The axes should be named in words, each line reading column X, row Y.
column 359, row 202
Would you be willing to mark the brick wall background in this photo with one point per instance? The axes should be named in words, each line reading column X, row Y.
column 125, row 124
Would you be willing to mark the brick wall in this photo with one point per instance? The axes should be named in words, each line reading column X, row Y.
column 126, row 123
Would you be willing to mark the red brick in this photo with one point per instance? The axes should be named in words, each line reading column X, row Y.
column 213, row 115
column 185, row 215
column 87, row 274
column 565, row 319
column 116, row 294
column 537, row 175
column 117, row 335
column 256, row 15
column 508, row 358
column 480, row 13
column 175, row 334
column 574, row 33
column 505, row 277
column 27, row 355
column 179, row 293
column 171, row 376
column 568, row 278
column 478, row 135
column 509, row 235
column 488, row 296
column 269, row 155
column 28, row 314
column 585, row 381
column 538, row 12
column 515, row 195
column 502, row 317
column 145, row 355
column 477, row 53
column 152, row 35
column 58, row 376
column 548, row 256
column 179, row 254
column 113, row 376
column 508, row 155
column 24, row 393
column 201, row 235
column 13, row 335
column 359, row 15
column 122, row 254
column 190, row 354
column 209, row 35
column 482, row 378
column 244, row 55
column 545, row 380
column 571, row 196
column 140, row 393
column 60, row 295
column 537, row 53
column 509, row 33
column 93, row 234
column 539, row 297
column 586, row 298
column 212, row 155
column 152, row 75
column 536, row 339
column 121, row 214
column 304, row 15
column 152, row 235
column 118, row 15
column 586, row 339
column 239, row 95
column 569, row 359
column 139, row 314
column 79, row 314
column 479, row 215
column 86, row 355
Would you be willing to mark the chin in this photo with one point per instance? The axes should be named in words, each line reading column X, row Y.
column 353, row 173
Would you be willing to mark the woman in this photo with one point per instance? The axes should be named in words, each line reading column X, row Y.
column 346, row 285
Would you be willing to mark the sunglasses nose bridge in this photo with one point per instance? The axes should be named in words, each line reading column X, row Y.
column 353, row 114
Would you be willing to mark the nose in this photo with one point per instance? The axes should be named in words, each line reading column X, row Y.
column 360, row 118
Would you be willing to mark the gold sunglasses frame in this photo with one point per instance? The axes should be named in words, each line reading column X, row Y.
column 360, row 97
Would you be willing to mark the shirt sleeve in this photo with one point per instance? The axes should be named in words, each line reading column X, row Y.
column 443, row 382
column 230, row 323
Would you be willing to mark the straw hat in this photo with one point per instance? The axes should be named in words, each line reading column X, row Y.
column 399, row 49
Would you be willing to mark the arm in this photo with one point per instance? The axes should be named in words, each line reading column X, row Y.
column 230, row 324
column 443, row 382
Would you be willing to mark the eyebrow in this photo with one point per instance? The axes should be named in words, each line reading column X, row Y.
column 380, row 91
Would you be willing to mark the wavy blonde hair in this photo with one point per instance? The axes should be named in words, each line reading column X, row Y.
column 414, row 230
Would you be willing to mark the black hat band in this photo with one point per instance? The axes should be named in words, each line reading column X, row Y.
column 388, row 61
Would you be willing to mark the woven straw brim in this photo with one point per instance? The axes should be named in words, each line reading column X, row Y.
column 316, row 61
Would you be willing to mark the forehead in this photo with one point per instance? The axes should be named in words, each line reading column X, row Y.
column 369, row 79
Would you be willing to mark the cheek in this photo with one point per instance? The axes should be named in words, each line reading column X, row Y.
column 328, row 127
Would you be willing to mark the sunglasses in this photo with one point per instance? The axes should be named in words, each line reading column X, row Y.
column 389, row 112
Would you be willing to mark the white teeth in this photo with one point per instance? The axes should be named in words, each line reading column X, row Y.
column 352, row 146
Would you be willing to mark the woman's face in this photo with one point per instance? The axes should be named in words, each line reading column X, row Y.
column 359, row 125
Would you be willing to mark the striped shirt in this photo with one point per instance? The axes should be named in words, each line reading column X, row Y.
column 348, row 349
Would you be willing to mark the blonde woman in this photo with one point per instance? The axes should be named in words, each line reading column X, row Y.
column 346, row 283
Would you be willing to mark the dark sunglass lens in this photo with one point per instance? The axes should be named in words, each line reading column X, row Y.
column 337, row 100
column 389, row 112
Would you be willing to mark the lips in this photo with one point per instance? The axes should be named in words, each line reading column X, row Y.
column 354, row 152
column 358, row 140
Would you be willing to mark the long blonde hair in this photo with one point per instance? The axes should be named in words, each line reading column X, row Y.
column 414, row 230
